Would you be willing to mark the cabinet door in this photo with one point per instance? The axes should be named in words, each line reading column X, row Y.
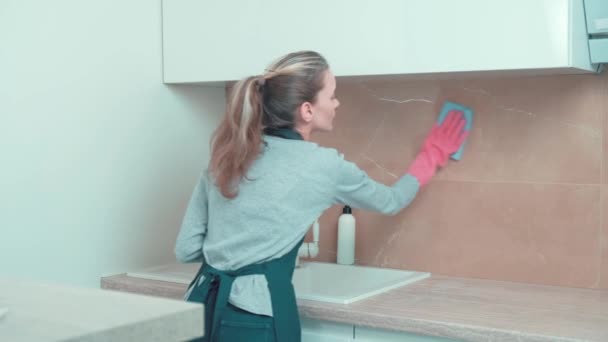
column 323, row 331
column 364, row 334
column 308, row 336
column 205, row 41
column 216, row 41
column 475, row 35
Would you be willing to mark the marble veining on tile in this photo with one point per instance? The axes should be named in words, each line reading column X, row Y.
column 590, row 130
column 524, row 204
column 381, row 98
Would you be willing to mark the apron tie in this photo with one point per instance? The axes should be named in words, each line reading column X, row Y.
column 214, row 292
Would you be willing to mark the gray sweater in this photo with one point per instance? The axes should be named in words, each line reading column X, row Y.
column 289, row 186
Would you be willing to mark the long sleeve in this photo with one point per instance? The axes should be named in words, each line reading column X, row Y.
column 189, row 244
column 356, row 189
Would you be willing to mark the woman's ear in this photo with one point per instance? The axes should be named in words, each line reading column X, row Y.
column 305, row 112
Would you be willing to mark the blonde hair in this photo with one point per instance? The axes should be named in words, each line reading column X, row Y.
column 270, row 100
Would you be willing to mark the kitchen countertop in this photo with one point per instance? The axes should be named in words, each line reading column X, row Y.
column 459, row 308
column 53, row 312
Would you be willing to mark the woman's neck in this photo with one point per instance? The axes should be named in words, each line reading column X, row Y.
column 304, row 132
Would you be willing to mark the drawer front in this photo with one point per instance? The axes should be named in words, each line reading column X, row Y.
column 596, row 12
column 598, row 48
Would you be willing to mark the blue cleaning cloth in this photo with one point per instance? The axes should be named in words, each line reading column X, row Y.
column 468, row 116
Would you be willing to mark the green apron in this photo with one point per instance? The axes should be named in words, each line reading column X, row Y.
column 214, row 291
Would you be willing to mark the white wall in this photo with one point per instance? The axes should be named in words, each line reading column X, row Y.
column 97, row 157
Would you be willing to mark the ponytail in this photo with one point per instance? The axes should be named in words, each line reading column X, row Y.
column 237, row 141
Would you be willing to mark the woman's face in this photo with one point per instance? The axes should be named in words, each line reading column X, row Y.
column 324, row 108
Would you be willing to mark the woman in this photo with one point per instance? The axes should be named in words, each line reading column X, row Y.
column 266, row 184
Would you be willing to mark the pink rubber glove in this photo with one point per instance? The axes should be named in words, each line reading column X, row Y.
column 442, row 141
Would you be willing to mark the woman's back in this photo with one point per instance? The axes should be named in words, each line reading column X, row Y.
column 287, row 188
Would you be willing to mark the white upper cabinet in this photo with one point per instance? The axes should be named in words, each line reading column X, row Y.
column 220, row 40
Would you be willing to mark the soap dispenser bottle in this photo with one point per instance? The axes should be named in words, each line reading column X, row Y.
column 346, row 237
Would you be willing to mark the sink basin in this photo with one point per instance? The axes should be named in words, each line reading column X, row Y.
column 320, row 281
column 344, row 284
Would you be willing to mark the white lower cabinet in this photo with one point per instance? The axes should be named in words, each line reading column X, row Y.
column 365, row 334
column 324, row 331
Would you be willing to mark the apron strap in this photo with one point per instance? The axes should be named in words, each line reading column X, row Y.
column 284, row 308
column 283, row 297
column 224, row 286
column 215, row 290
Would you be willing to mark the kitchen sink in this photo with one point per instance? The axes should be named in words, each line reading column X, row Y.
column 319, row 281
column 344, row 284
